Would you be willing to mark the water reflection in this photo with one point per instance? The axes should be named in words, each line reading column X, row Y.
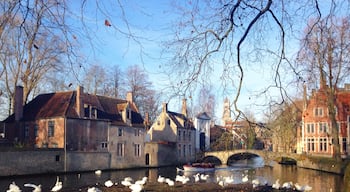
column 254, row 168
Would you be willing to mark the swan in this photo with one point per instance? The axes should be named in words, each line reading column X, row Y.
column 255, row 182
column 142, row 181
column 161, row 179
column 126, row 183
column 169, row 182
column 36, row 188
column 98, row 172
column 13, row 188
column 229, row 179
column 108, row 183
column 94, row 189
column 287, row 185
column 302, row 188
column 204, row 177
column 196, row 177
column 136, row 187
column 276, row 185
column 58, row 185
column 245, row 179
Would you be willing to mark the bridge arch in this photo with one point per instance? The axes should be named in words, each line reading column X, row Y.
column 269, row 157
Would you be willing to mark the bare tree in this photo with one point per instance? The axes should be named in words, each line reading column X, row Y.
column 206, row 101
column 94, row 80
column 283, row 125
column 231, row 35
column 31, row 45
column 142, row 90
column 324, row 58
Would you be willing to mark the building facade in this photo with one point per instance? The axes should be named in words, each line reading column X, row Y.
column 81, row 124
column 315, row 134
column 171, row 138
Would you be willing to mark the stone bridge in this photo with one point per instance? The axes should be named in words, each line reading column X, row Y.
column 268, row 156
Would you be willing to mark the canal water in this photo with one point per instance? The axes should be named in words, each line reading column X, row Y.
column 254, row 168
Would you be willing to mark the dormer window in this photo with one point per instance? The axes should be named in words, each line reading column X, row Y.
column 90, row 111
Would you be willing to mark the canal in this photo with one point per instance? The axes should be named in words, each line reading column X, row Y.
column 254, row 168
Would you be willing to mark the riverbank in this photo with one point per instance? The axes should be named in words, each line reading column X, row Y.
column 192, row 187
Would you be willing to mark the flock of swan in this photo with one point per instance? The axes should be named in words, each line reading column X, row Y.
column 138, row 185
column 36, row 188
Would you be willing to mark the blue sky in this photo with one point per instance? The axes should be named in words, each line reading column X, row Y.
column 151, row 22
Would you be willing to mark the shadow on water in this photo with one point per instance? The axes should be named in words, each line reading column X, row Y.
column 253, row 167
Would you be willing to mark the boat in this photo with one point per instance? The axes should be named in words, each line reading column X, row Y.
column 199, row 167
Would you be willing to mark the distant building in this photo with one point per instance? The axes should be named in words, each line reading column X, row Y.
column 315, row 134
column 79, row 123
column 202, row 123
column 171, row 139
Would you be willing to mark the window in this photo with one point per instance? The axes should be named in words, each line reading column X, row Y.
column 137, row 132
column 179, row 150
column 322, row 126
column 179, row 135
column 310, row 128
column 137, row 150
column 344, row 145
column 184, row 150
column 318, row 112
column 51, row 128
column 36, row 128
column 168, row 121
column 120, row 131
column 183, row 135
column 104, row 145
column 310, row 144
column 189, row 135
column 120, row 149
column 323, row 144
column 189, row 150
column 26, row 131
column 128, row 114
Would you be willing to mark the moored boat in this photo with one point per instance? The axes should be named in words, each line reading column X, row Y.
column 199, row 167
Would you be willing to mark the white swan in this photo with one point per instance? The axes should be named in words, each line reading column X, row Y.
column 13, row 188
column 276, row 185
column 161, row 179
column 109, row 183
column 98, row 172
column 169, row 182
column 287, row 185
column 255, row 182
column 196, row 177
column 245, row 179
column 142, row 181
column 229, row 180
column 204, row 177
column 136, row 187
column 94, row 189
column 58, row 185
column 36, row 188
column 302, row 188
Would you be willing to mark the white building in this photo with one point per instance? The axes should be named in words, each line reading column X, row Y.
column 202, row 124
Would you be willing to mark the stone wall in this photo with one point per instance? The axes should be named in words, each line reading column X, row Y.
column 31, row 162
column 87, row 161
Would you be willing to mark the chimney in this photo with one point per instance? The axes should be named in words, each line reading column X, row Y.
column 79, row 101
column 18, row 105
column 304, row 97
column 165, row 108
column 129, row 97
column 184, row 107
column 146, row 120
